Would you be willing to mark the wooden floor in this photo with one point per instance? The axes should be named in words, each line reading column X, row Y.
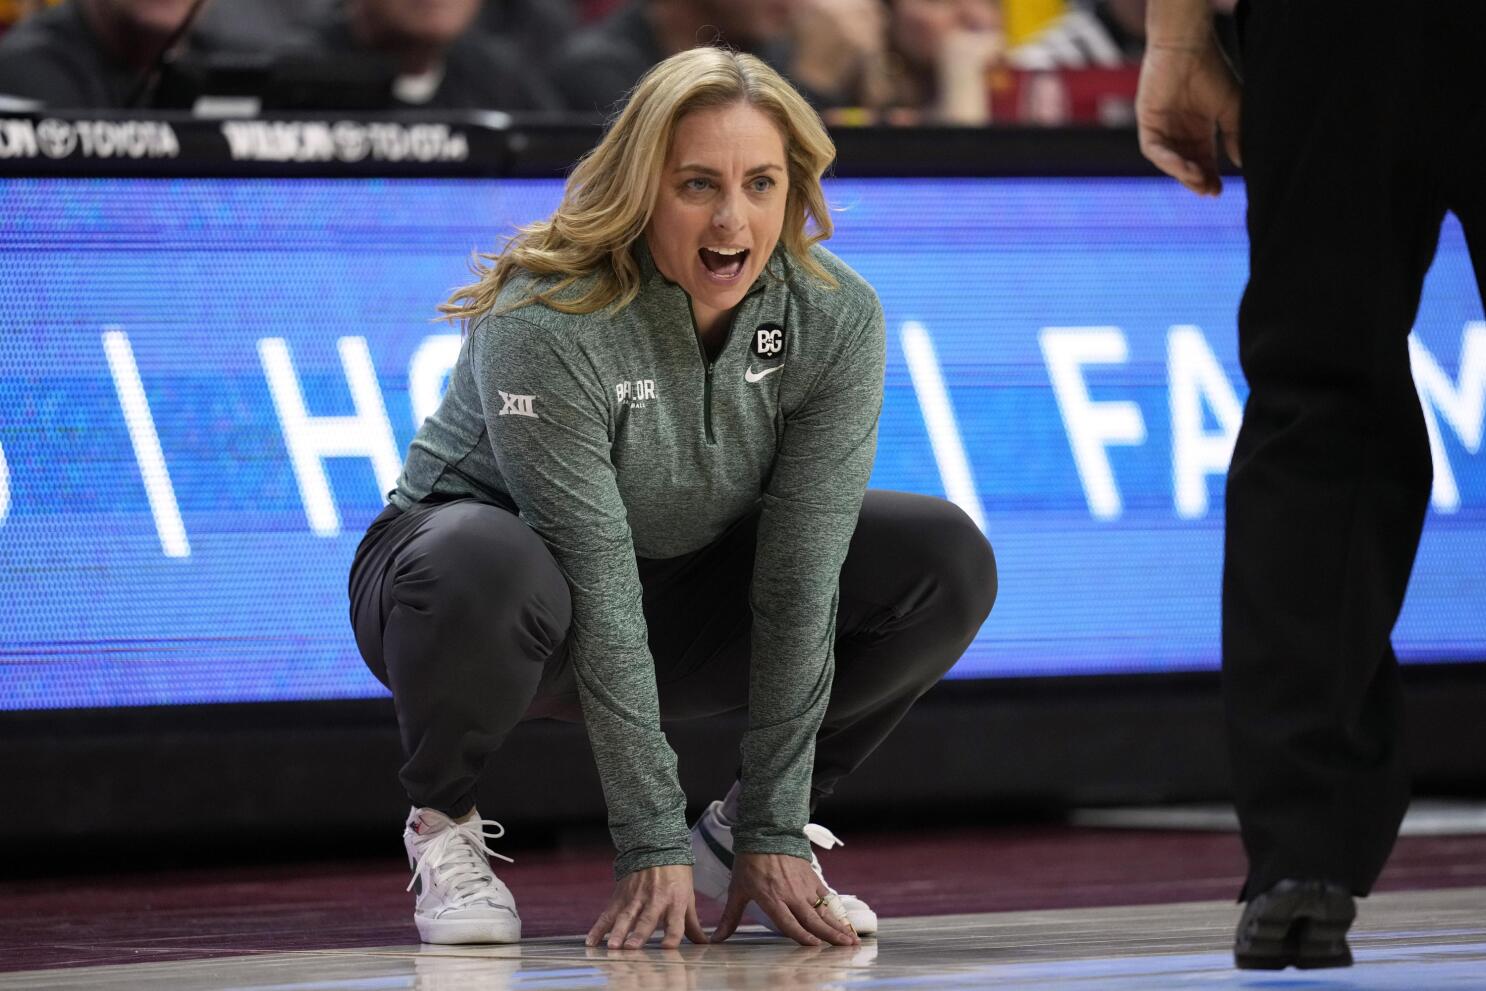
column 1043, row 908
column 1409, row 940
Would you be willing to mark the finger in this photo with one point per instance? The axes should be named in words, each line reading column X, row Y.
column 694, row 930
column 811, row 918
column 1202, row 177
column 600, row 928
column 675, row 923
column 622, row 924
column 1212, row 181
column 1168, row 160
column 789, row 925
column 835, row 913
column 1186, row 160
column 648, row 923
column 732, row 913
column 1231, row 140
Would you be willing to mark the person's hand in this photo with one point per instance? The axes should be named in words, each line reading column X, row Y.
column 789, row 892
column 964, row 60
column 647, row 900
column 839, row 46
column 1188, row 95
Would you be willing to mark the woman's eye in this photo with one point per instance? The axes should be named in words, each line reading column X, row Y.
column 697, row 185
column 763, row 184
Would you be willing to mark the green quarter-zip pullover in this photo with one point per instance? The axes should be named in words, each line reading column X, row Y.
column 614, row 437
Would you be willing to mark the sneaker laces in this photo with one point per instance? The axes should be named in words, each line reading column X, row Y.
column 459, row 851
column 825, row 839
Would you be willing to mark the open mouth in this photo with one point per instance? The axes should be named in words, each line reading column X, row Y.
column 724, row 264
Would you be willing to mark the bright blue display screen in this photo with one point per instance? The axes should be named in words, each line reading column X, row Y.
column 206, row 386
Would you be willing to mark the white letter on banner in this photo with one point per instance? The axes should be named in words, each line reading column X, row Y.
column 4, row 487
column 1091, row 426
column 939, row 419
column 1461, row 403
column 426, row 373
column 146, row 441
column 311, row 439
column 1196, row 378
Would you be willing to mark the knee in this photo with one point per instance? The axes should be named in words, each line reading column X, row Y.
column 966, row 566
column 484, row 569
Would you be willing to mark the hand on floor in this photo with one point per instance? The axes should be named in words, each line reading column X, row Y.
column 790, row 893
column 647, row 900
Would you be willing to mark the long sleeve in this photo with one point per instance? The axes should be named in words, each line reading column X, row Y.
column 810, row 510
column 548, row 418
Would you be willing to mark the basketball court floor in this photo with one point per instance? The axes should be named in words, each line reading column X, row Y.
column 1014, row 908
column 1412, row 940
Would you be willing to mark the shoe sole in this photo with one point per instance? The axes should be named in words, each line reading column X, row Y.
column 1304, row 936
column 457, row 931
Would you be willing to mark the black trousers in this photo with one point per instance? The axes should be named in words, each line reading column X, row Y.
column 1362, row 126
column 460, row 610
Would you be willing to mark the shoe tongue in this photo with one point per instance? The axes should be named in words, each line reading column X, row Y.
column 425, row 821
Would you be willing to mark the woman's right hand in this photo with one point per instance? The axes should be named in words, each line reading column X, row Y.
column 647, row 900
column 791, row 894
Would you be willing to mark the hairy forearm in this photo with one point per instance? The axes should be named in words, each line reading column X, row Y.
column 1178, row 23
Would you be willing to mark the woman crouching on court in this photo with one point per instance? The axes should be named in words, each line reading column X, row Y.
column 642, row 498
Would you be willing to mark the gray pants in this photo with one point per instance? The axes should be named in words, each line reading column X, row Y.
column 460, row 610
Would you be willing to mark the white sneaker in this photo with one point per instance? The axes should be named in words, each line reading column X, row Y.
column 459, row 898
column 712, row 846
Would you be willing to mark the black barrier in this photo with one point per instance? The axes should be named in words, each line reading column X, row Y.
column 493, row 144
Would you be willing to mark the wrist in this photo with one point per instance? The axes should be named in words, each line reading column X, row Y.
column 1179, row 24
column 1184, row 46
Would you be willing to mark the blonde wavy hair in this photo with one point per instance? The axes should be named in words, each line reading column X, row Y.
column 611, row 193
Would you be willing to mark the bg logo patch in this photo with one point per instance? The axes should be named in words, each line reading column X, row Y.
column 768, row 341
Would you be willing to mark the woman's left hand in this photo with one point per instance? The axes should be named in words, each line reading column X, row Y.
column 789, row 891
column 647, row 900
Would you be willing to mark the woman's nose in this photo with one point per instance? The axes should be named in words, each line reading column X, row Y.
column 729, row 214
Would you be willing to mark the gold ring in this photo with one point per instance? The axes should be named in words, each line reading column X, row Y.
column 818, row 902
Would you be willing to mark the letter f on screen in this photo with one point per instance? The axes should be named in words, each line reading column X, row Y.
column 1092, row 426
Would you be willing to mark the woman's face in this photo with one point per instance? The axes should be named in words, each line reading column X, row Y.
column 720, row 208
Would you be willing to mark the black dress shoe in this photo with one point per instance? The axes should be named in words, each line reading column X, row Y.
column 1299, row 924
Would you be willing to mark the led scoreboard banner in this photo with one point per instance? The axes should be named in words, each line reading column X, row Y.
column 207, row 385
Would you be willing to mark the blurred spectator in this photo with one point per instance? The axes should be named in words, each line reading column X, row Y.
column 840, row 53
column 442, row 62
column 258, row 25
column 600, row 63
column 13, row 11
column 1083, row 66
column 940, row 54
column 1025, row 18
column 595, row 10
column 1102, row 33
column 1094, row 33
column 536, row 27
column 87, row 53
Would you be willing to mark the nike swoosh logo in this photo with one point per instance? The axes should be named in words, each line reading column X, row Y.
column 719, row 851
column 754, row 376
